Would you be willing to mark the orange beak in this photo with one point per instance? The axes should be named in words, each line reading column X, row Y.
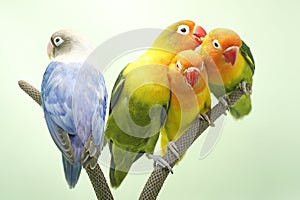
column 230, row 54
column 199, row 34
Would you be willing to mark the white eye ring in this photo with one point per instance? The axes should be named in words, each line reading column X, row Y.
column 178, row 64
column 216, row 44
column 58, row 41
column 183, row 29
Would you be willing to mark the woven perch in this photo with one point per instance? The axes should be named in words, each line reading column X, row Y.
column 159, row 174
column 96, row 175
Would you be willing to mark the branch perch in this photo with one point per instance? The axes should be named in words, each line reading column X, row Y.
column 96, row 175
column 159, row 174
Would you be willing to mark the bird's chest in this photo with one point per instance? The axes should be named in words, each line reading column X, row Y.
column 148, row 84
column 228, row 76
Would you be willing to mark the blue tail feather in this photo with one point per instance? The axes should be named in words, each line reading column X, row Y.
column 72, row 172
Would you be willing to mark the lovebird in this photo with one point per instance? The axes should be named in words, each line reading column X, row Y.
column 140, row 99
column 190, row 97
column 229, row 64
column 74, row 103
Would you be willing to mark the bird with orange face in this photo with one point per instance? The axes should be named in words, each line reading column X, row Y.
column 140, row 99
column 190, row 96
column 230, row 64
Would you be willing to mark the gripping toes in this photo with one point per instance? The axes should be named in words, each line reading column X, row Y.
column 161, row 162
column 243, row 86
column 223, row 101
column 206, row 118
column 173, row 148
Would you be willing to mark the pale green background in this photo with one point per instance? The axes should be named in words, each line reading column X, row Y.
column 256, row 158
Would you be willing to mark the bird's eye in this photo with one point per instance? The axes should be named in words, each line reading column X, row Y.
column 183, row 29
column 58, row 41
column 178, row 64
column 216, row 44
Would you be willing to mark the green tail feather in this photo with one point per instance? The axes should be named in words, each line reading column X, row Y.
column 116, row 177
column 121, row 161
column 241, row 108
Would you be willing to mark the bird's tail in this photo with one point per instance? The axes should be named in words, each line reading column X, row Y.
column 121, row 161
column 242, row 107
column 72, row 172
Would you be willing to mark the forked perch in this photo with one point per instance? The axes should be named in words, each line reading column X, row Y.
column 159, row 175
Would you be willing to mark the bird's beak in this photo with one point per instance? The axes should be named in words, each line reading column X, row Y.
column 50, row 50
column 231, row 53
column 199, row 34
column 192, row 75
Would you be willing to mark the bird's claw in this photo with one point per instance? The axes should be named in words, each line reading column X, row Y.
column 160, row 161
column 224, row 101
column 173, row 148
column 243, row 87
column 205, row 117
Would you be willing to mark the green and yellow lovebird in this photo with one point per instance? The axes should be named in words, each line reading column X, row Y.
column 140, row 99
column 230, row 64
column 190, row 96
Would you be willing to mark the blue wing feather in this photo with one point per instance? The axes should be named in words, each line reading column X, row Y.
column 74, row 101
column 57, row 91
column 89, row 104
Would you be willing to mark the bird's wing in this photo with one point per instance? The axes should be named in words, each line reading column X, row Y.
column 89, row 104
column 116, row 91
column 245, row 50
column 57, row 104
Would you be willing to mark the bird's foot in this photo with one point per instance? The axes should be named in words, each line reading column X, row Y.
column 90, row 154
column 173, row 148
column 160, row 161
column 243, row 87
column 224, row 101
column 205, row 117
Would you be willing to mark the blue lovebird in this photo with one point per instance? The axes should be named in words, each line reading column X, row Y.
column 74, row 103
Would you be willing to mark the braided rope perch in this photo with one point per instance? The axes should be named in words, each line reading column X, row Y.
column 159, row 174
column 96, row 175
